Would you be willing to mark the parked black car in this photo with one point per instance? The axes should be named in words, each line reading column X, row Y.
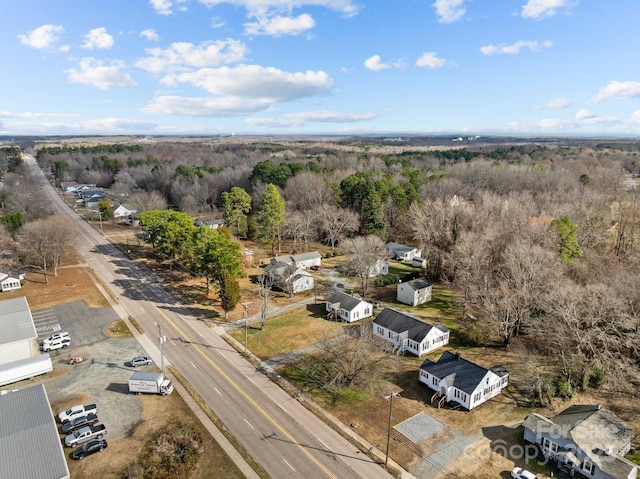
column 89, row 448
column 79, row 422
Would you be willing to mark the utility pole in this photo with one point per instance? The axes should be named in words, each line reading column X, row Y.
column 161, row 339
column 390, row 398
column 245, row 305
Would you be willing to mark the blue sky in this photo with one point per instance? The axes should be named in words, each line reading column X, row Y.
column 461, row 67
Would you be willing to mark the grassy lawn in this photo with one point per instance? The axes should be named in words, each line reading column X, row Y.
column 290, row 331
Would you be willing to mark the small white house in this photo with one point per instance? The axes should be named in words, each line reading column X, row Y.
column 302, row 260
column 345, row 307
column 380, row 268
column 414, row 292
column 458, row 380
column 418, row 262
column 402, row 252
column 287, row 276
column 124, row 211
column 10, row 282
column 409, row 334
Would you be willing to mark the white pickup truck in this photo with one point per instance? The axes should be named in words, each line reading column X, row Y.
column 85, row 434
column 77, row 411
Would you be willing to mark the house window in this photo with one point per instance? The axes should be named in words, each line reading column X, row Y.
column 549, row 445
column 589, row 467
column 477, row 397
column 435, row 381
column 380, row 330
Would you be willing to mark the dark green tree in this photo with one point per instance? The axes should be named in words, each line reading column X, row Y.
column 13, row 221
column 236, row 204
column 214, row 253
column 567, row 241
column 169, row 232
column 270, row 217
column 229, row 292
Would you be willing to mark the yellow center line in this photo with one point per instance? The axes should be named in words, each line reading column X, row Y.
column 245, row 395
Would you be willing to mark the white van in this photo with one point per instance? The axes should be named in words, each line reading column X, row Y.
column 59, row 343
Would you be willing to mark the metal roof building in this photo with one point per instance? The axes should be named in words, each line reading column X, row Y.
column 29, row 441
column 17, row 331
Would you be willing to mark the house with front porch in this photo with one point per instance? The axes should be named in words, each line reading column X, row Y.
column 342, row 306
column 586, row 439
column 409, row 334
column 301, row 260
column 460, row 381
column 288, row 277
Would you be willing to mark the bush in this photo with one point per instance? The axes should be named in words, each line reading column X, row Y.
column 386, row 280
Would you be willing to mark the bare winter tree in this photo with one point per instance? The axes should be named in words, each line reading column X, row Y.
column 148, row 200
column 42, row 243
column 353, row 358
column 364, row 253
column 337, row 223
column 265, row 294
column 301, row 227
column 307, row 191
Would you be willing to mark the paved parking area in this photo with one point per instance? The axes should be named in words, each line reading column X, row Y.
column 102, row 377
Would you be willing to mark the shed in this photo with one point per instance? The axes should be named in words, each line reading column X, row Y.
column 415, row 292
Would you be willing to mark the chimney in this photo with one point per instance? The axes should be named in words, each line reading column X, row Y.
column 458, row 356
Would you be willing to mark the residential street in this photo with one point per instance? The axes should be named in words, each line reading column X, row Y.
column 280, row 433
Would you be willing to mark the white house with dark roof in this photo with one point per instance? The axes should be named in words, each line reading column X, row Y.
column 29, row 438
column 402, row 252
column 587, row 439
column 409, row 334
column 345, row 307
column 414, row 292
column 461, row 381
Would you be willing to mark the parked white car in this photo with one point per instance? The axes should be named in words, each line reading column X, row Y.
column 519, row 473
column 60, row 343
column 54, row 336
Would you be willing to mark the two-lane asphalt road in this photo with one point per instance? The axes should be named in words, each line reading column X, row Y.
column 286, row 439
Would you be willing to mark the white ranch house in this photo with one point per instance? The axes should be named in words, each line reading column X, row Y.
column 345, row 307
column 288, row 276
column 414, row 292
column 10, row 282
column 302, row 260
column 460, row 381
column 587, row 439
column 124, row 211
column 409, row 334
column 402, row 252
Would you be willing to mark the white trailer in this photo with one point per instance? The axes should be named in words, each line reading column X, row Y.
column 151, row 383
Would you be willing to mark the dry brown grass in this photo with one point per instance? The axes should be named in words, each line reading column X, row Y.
column 73, row 283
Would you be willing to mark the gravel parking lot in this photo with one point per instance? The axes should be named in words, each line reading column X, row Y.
column 102, row 376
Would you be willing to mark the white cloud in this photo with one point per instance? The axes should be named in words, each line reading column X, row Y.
column 115, row 124
column 42, row 37
column 28, row 114
column 97, row 38
column 374, row 63
column 278, row 25
column 95, row 73
column 261, row 7
column 150, row 34
column 430, row 60
column 634, row 119
column 302, row 118
column 207, row 107
column 514, row 48
column 617, row 89
column 449, row 11
column 556, row 103
column 182, row 56
column 538, row 9
column 584, row 114
column 165, row 7
column 254, row 81
column 217, row 22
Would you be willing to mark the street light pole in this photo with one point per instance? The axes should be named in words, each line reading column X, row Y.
column 390, row 398
column 245, row 305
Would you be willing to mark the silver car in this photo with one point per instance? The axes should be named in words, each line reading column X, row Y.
column 140, row 361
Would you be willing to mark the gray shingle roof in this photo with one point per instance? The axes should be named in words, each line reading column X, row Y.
column 398, row 248
column 16, row 322
column 29, row 440
column 467, row 375
column 347, row 302
column 419, row 283
column 399, row 323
